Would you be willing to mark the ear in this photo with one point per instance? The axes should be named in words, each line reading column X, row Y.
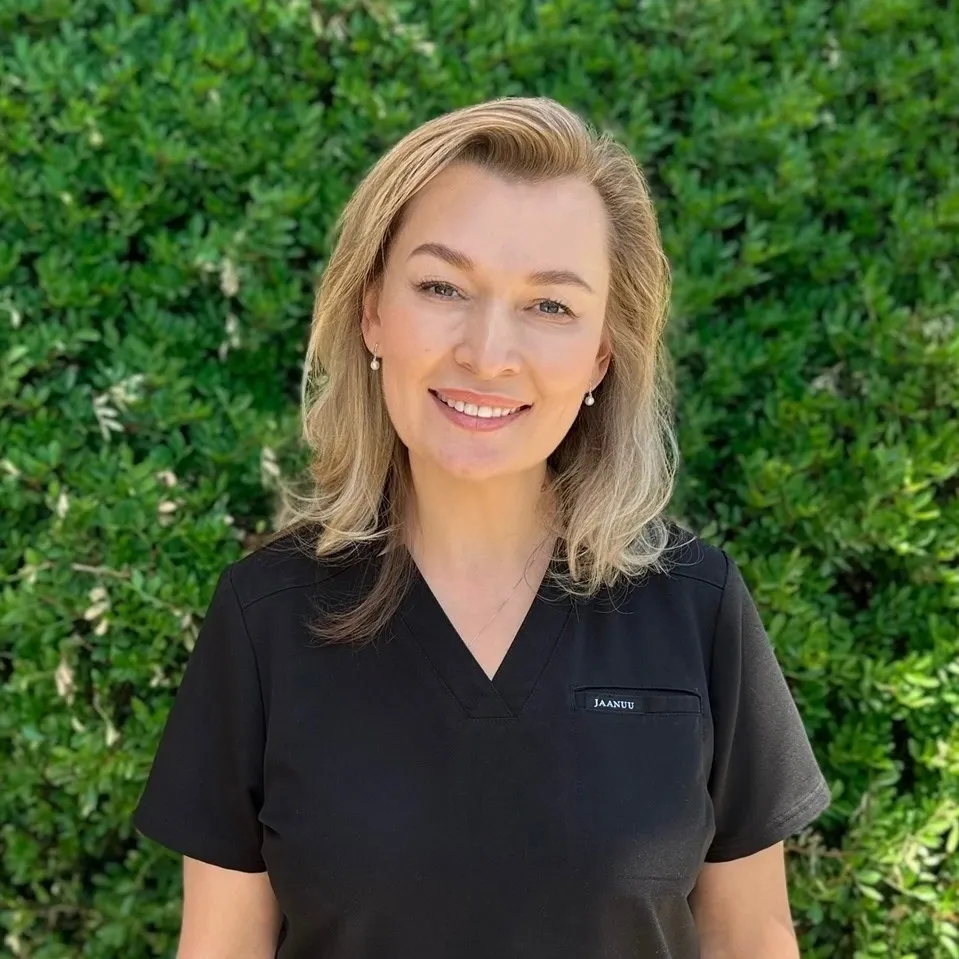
column 603, row 356
column 370, row 323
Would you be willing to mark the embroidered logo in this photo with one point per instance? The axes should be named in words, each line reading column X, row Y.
column 613, row 703
column 641, row 701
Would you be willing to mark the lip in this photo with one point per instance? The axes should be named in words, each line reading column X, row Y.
column 477, row 424
column 493, row 400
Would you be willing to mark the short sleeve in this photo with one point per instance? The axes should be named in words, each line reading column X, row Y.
column 765, row 783
column 205, row 787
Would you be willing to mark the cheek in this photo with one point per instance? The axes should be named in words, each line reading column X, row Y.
column 563, row 369
column 412, row 348
column 410, row 339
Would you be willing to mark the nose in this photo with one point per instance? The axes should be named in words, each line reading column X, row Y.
column 489, row 340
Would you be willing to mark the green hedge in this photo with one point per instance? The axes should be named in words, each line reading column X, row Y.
column 169, row 176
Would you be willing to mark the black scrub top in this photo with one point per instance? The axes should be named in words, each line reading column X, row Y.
column 406, row 806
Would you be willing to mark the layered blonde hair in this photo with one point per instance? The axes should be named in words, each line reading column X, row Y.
column 610, row 478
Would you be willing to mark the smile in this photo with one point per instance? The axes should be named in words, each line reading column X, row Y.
column 478, row 418
column 471, row 409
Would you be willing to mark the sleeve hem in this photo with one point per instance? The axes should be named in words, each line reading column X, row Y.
column 207, row 851
column 810, row 808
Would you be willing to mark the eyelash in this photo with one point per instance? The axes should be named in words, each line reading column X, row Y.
column 427, row 283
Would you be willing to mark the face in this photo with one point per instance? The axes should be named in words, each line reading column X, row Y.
column 469, row 320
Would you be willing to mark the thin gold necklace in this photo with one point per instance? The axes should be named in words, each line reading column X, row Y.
column 509, row 595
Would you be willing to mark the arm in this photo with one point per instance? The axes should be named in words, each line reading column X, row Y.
column 227, row 914
column 741, row 908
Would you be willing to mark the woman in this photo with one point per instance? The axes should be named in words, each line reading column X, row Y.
column 539, row 720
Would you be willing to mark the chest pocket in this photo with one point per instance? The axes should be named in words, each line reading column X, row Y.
column 632, row 700
column 640, row 782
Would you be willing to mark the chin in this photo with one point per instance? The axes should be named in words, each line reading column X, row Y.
column 472, row 472
column 474, row 469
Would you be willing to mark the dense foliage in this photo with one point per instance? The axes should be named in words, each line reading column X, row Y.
column 169, row 175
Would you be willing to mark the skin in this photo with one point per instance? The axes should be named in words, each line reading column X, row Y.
column 741, row 908
column 489, row 328
column 227, row 913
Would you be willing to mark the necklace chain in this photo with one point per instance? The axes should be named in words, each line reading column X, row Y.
column 509, row 595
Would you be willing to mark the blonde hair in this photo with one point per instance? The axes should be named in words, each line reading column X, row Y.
column 612, row 475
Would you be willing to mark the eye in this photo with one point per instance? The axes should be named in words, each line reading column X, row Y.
column 561, row 305
column 434, row 283
column 429, row 286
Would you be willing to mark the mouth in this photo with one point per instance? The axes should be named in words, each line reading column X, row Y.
column 480, row 412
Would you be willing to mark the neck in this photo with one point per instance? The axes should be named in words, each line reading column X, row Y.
column 471, row 528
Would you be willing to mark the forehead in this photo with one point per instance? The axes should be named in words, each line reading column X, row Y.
column 511, row 227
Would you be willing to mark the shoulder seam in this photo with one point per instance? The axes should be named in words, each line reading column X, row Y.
column 283, row 589
column 319, row 575
column 699, row 579
column 249, row 639
column 719, row 607
column 701, row 568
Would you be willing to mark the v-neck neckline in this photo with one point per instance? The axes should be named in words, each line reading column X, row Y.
column 481, row 697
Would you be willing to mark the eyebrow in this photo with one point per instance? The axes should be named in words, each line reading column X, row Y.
column 463, row 262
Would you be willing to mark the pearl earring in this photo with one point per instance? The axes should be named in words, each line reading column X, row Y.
column 375, row 363
column 589, row 401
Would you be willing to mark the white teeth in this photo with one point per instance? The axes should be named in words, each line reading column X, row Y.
column 471, row 409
